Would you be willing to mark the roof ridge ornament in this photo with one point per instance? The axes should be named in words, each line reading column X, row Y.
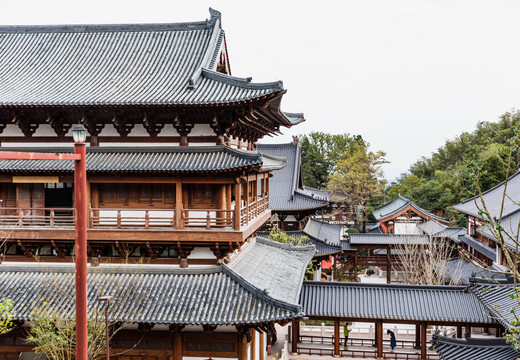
column 214, row 15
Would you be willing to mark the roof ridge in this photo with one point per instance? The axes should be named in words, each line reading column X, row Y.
column 242, row 82
column 99, row 28
column 471, row 341
column 389, row 286
column 489, row 190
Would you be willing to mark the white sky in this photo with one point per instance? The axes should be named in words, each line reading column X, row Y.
column 405, row 74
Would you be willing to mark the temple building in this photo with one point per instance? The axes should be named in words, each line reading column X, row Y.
column 176, row 185
column 291, row 202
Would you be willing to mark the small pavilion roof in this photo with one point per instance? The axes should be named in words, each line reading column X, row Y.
column 392, row 302
column 330, row 233
column 493, row 200
column 473, row 348
column 482, row 248
column 286, row 190
column 398, row 204
column 176, row 159
column 276, row 268
column 460, row 271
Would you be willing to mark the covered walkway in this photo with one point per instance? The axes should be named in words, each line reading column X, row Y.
column 418, row 305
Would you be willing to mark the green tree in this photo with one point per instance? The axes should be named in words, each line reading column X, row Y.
column 357, row 180
column 6, row 316
column 320, row 153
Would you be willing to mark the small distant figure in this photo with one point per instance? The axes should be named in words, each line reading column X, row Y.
column 393, row 343
column 346, row 332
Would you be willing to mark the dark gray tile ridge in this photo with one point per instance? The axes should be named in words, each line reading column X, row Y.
column 127, row 269
column 242, row 82
column 388, row 286
column 280, row 245
column 471, row 341
column 489, row 190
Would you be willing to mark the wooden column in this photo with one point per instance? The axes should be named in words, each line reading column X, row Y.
column 221, row 204
column 261, row 346
column 246, row 197
column 228, row 200
column 389, row 266
column 379, row 339
column 295, row 336
column 467, row 331
column 177, row 346
column 179, row 223
column 423, row 340
column 417, row 336
column 238, row 204
column 242, row 346
column 459, row 331
column 252, row 347
column 336, row 337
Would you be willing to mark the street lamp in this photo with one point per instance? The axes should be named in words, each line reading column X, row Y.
column 80, row 247
column 107, row 298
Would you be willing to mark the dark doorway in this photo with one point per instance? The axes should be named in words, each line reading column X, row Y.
column 58, row 195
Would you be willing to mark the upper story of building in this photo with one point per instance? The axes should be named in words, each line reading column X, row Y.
column 171, row 158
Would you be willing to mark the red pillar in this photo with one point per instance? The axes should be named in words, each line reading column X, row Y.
column 423, row 340
column 80, row 250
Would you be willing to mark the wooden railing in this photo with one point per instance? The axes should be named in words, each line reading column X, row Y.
column 208, row 218
column 53, row 217
column 127, row 218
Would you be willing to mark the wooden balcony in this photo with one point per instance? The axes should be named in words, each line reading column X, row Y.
column 138, row 224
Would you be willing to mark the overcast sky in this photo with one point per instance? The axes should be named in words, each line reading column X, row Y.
column 406, row 75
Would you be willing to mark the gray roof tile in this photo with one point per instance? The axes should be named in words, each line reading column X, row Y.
column 460, row 271
column 473, row 348
column 286, row 191
column 493, row 199
column 273, row 266
column 377, row 301
column 398, row 204
column 146, row 294
column 140, row 64
column 497, row 299
column 387, row 239
column 482, row 248
column 157, row 160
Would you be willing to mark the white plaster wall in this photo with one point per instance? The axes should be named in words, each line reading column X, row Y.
column 46, row 130
column 12, row 130
column 409, row 228
column 139, row 130
column 202, row 130
column 202, row 253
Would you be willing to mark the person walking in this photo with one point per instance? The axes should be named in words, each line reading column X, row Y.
column 346, row 332
column 393, row 343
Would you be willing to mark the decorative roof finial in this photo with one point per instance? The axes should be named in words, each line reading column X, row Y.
column 215, row 14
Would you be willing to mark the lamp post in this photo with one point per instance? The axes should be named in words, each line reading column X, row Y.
column 79, row 133
column 106, row 298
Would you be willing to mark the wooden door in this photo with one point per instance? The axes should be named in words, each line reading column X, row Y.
column 30, row 199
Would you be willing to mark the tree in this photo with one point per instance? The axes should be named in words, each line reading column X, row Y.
column 357, row 179
column 6, row 316
column 276, row 234
column 320, row 153
column 53, row 329
column 425, row 264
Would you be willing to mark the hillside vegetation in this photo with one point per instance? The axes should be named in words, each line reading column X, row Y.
column 450, row 175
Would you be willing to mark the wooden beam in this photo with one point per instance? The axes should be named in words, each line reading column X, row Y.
column 336, row 337
column 379, row 339
column 238, row 204
column 424, row 326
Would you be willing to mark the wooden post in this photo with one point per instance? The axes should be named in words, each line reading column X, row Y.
column 336, row 337
column 238, row 204
column 389, row 266
column 295, row 336
column 424, row 327
column 261, row 346
column 178, row 205
column 177, row 346
column 379, row 339
column 229, row 215
column 252, row 347
column 468, row 331
column 246, row 197
column 242, row 346
column 417, row 336
column 459, row 331
column 221, row 205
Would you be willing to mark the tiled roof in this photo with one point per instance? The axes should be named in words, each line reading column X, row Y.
column 482, row 248
column 178, row 159
column 392, row 302
column 322, row 248
column 331, row 233
column 509, row 225
column 145, row 294
column 139, row 64
column 387, row 239
column 497, row 299
column 286, row 191
column 278, row 268
column 460, row 271
column 322, row 194
column 473, row 348
column 493, row 199
column 398, row 204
